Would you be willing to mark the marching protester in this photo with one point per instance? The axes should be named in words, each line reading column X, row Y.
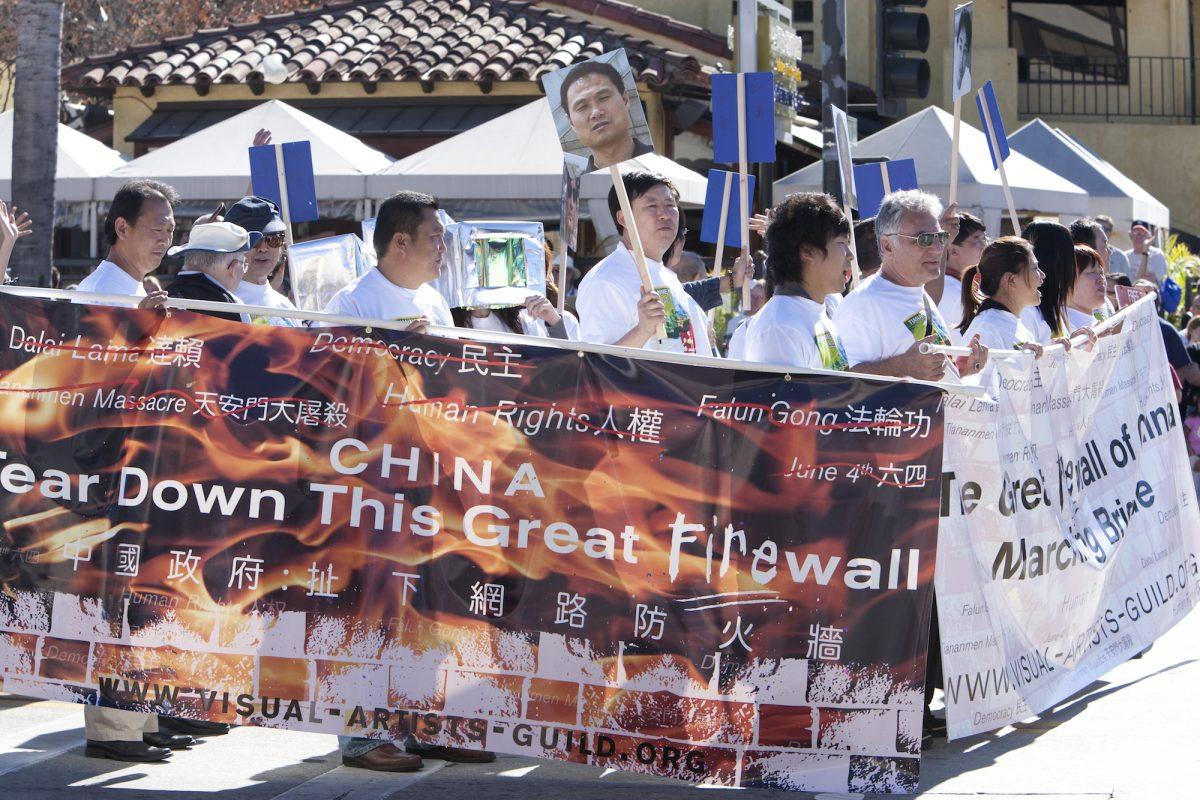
column 537, row 317
column 1087, row 303
column 1146, row 262
column 214, row 263
column 139, row 228
column 1055, row 251
column 808, row 258
column 963, row 251
column 410, row 243
column 1009, row 283
column 260, row 215
column 866, row 246
column 1115, row 259
column 614, row 307
column 884, row 322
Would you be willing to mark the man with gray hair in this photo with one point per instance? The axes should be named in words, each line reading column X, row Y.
column 889, row 316
column 214, row 261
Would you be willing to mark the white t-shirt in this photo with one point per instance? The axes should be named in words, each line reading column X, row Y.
column 794, row 331
column 608, row 298
column 1158, row 263
column 530, row 326
column 737, row 341
column 372, row 296
column 1118, row 261
column 950, row 306
column 263, row 294
column 832, row 301
column 999, row 329
column 881, row 319
column 1081, row 319
column 1032, row 319
column 108, row 278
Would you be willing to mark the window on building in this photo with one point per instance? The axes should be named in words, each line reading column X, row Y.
column 1069, row 42
column 802, row 11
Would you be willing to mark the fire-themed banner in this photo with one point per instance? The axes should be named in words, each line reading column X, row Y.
column 1071, row 530
column 722, row 577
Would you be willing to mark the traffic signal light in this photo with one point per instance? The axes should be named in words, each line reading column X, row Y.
column 899, row 76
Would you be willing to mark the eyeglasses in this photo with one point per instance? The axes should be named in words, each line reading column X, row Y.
column 926, row 240
column 274, row 240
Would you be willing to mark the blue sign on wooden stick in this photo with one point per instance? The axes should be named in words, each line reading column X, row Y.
column 760, row 117
column 298, row 173
column 992, row 120
column 710, row 225
column 870, row 187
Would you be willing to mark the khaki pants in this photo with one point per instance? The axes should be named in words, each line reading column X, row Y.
column 114, row 725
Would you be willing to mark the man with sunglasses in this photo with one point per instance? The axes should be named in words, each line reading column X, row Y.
column 884, row 322
column 258, row 214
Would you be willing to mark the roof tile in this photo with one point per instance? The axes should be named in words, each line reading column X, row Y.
column 377, row 40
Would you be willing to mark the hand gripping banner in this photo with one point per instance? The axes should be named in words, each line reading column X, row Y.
column 1071, row 530
column 714, row 575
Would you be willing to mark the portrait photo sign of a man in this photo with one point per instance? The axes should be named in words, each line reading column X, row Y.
column 597, row 110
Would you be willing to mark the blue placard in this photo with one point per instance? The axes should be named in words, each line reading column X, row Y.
column 298, row 171
column 710, row 225
column 760, row 118
column 987, row 94
column 868, row 182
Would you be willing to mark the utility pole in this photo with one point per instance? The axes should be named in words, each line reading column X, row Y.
column 834, row 90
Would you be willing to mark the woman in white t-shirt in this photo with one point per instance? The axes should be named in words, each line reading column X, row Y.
column 1054, row 248
column 538, row 317
column 1087, row 304
column 808, row 258
column 1009, row 282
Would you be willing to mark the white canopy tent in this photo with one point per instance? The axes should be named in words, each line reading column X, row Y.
column 512, row 166
column 1109, row 190
column 213, row 164
column 81, row 159
column 927, row 137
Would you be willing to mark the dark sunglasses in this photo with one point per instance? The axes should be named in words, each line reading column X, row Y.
column 274, row 240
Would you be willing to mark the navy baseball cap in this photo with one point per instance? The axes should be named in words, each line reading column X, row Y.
column 256, row 214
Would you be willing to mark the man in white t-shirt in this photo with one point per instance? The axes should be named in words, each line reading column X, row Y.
column 614, row 307
column 139, row 228
column 1146, row 262
column 258, row 214
column 886, row 319
column 410, row 244
column 962, row 253
column 1115, row 259
column 808, row 259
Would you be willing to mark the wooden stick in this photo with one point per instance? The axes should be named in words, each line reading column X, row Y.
column 991, row 134
column 743, row 181
column 887, row 181
column 562, row 276
column 954, row 152
column 286, row 214
column 635, row 239
column 721, row 226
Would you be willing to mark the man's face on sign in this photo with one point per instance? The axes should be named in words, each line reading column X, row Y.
column 598, row 111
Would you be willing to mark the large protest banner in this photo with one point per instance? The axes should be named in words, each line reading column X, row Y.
column 723, row 577
column 1070, row 528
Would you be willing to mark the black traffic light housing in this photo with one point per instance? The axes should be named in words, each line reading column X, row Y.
column 897, row 75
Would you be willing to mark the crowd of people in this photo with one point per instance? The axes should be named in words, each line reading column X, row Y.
column 929, row 276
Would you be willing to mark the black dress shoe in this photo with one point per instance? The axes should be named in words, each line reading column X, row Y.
column 170, row 741
column 137, row 752
column 457, row 755
column 191, row 727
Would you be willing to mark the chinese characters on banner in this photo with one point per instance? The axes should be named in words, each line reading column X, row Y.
column 722, row 577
